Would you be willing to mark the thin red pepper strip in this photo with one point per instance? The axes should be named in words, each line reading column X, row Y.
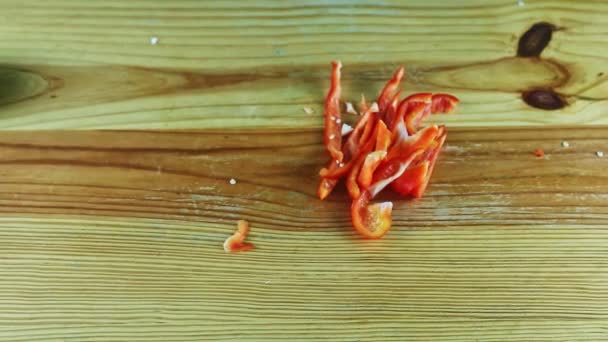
column 419, row 191
column 363, row 106
column 386, row 94
column 373, row 159
column 235, row 243
column 333, row 126
column 391, row 110
column 404, row 147
column 374, row 220
column 414, row 181
column 367, row 147
column 371, row 162
column 408, row 183
column 358, row 137
column 326, row 186
column 444, row 103
column 436, row 103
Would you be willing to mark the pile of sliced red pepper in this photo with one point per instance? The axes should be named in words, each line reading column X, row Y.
column 386, row 147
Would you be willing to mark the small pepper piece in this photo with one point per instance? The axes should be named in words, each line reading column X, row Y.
column 235, row 243
column 333, row 127
column 539, row 153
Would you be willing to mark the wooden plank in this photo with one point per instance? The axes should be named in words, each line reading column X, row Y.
column 71, row 64
column 117, row 235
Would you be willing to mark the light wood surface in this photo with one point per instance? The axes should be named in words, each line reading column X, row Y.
column 90, row 64
column 116, row 235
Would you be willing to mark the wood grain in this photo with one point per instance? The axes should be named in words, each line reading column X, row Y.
column 117, row 235
column 70, row 64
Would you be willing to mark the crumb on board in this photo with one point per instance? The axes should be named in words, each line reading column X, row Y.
column 308, row 110
column 565, row 143
column 235, row 242
column 520, row 3
column 154, row 40
column 539, row 153
column 232, row 181
column 599, row 154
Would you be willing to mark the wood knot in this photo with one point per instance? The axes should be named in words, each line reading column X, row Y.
column 546, row 99
column 535, row 40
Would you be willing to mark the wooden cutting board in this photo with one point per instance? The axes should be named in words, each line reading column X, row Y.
column 116, row 235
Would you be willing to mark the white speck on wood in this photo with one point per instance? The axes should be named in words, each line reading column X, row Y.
column 308, row 110
column 565, row 143
column 599, row 154
column 232, row 181
column 153, row 40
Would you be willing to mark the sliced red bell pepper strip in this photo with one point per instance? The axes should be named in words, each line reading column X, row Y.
column 366, row 148
column 444, row 103
column 374, row 220
column 416, row 112
column 326, row 186
column 356, row 136
column 414, row 181
column 386, row 95
column 333, row 126
column 371, row 162
column 383, row 137
column 373, row 159
column 235, row 243
column 432, row 158
column 353, row 148
column 391, row 110
column 404, row 147
column 363, row 106
column 436, row 103
column 411, row 179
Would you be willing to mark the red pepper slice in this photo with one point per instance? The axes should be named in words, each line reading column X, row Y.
column 351, row 180
column 333, row 126
column 357, row 135
column 444, row 103
column 326, row 186
column 410, row 179
column 432, row 158
column 374, row 220
column 404, row 147
column 235, row 242
column 363, row 106
column 354, row 148
column 414, row 181
column 416, row 112
column 386, row 95
column 373, row 159
column 371, row 162
column 391, row 110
